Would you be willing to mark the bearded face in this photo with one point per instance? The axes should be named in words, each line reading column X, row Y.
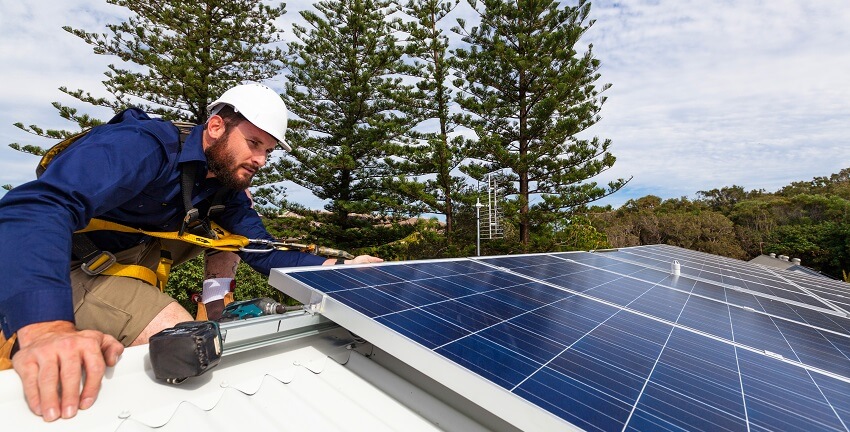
column 222, row 162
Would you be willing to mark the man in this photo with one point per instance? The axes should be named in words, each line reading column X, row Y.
column 127, row 171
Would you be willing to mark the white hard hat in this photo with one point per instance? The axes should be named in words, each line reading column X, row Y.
column 260, row 105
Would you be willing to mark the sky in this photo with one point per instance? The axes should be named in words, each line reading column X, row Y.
column 705, row 93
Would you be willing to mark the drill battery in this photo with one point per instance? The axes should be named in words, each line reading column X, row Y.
column 185, row 350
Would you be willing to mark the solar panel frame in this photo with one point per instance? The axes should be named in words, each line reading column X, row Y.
column 524, row 302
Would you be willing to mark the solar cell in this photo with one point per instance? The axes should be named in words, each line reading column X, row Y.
column 606, row 340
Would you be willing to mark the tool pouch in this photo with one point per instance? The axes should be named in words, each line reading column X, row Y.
column 185, row 350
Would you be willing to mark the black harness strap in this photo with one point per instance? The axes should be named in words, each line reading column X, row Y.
column 187, row 182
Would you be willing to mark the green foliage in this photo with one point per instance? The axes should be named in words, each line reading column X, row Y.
column 824, row 246
column 185, row 279
column 568, row 235
column 529, row 93
column 807, row 220
column 836, row 184
column 678, row 222
column 190, row 52
column 725, row 198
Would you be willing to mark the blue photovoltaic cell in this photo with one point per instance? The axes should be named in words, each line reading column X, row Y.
column 463, row 315
column 327, row 281
column 528, row 343
column 661, row 302
column 428, row 330
column 621, row 292
column 412, row 272
column 411, row 293
column 812, row 348
column 613, row 341
column 372, row 302
column 780, row 396
column 837, row 394
column 546, row 271
column 759, row 331
column 445, row 287
column 574, row 401
column 708, row 316
column 490, row 360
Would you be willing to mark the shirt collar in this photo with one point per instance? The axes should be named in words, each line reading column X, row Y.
column 193, row 148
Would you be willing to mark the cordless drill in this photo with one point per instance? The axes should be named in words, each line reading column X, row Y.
column 192, row 348
column 253, row 308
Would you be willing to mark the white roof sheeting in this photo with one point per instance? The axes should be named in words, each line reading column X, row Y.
column 311, row 382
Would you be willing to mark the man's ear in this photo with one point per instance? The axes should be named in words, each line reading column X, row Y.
column 216, row 127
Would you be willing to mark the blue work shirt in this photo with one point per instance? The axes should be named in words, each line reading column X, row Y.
column 126, row 171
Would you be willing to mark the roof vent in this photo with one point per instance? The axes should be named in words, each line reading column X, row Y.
column 796, row 261
column 783, row 257
column 772, row 255
column 676, row 268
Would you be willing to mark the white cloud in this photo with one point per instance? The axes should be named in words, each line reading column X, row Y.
column 710, row 94
column 705, row 93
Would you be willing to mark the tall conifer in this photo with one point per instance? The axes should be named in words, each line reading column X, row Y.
column 529, row 93
column 438, row 153
column 350, row 105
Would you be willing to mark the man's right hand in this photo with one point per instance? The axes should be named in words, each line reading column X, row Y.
column 51, row 359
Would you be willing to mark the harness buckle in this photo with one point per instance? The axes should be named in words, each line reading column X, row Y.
column 189, row 220
column 98, row 264
column 268, row 246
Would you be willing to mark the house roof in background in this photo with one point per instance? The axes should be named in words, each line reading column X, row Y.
column 784, row 263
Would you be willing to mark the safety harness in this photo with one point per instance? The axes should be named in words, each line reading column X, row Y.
column 195, row 229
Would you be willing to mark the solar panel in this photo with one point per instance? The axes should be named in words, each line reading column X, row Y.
column 607, row 340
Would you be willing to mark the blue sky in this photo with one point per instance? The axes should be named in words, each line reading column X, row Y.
column 705, row 93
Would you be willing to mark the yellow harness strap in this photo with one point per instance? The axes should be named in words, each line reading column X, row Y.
column 6, row 351
column 225, row 241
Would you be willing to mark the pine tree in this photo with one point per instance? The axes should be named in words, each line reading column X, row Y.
column 345, row 89
column 439, row 153
column 528, row 93
column 180, row 56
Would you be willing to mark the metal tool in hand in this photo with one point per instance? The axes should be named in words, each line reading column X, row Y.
column 263, row 246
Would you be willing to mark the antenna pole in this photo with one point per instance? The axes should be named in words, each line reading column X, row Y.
column 478, row 206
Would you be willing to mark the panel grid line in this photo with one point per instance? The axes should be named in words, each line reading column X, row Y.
column 654, row 365
column 738, row 365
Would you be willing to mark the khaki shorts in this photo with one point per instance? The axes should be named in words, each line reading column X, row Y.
column 122, row 306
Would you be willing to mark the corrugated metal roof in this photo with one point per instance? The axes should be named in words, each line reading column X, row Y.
column 311, row 382
column 773, row 262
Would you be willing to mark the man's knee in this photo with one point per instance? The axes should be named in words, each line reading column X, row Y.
column 167, row 318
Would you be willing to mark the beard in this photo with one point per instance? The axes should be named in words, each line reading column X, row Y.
column 222, row 163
